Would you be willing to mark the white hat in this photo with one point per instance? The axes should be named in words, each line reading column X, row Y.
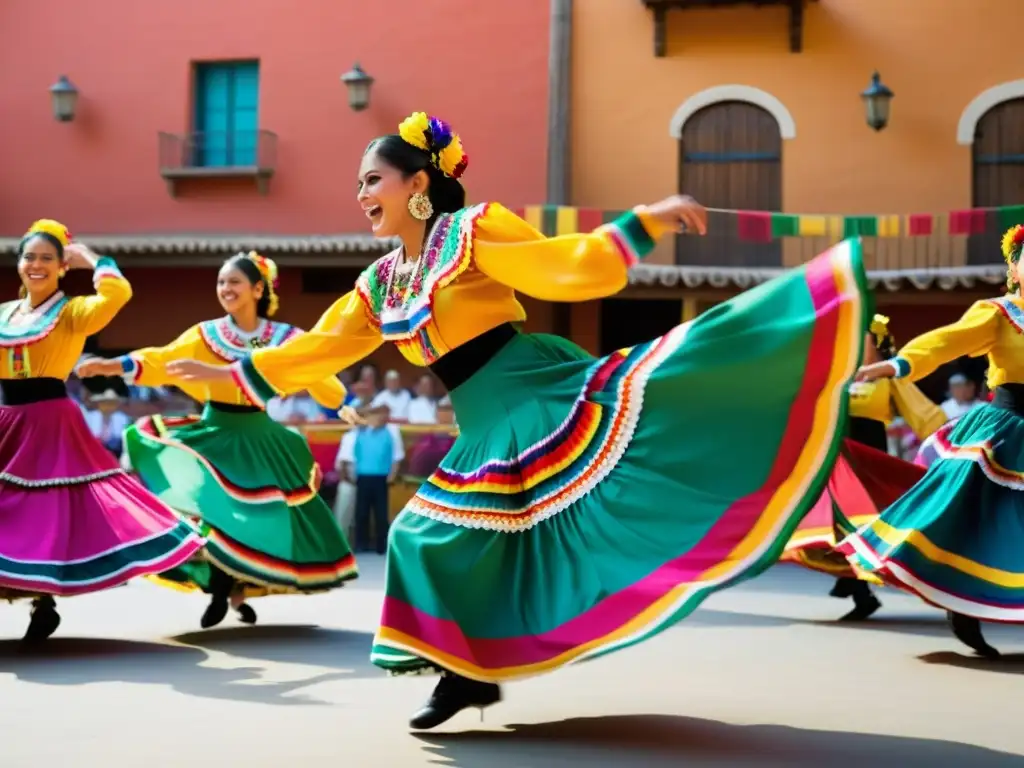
column 106, row 396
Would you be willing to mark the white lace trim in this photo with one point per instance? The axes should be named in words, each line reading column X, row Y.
column 6, row 477
column 629, row 401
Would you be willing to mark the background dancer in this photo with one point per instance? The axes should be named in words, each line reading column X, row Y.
column 587, row 503
column 71, row 520
column 251, row 481
column 866, row 479
column 956, row 538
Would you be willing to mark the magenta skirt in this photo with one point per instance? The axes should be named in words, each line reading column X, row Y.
column 71, row 520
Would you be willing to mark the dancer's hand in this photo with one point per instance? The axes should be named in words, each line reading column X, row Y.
column 79, row 256
column 193, row 370
column 882, row 370
column 351, row 416
column 97, row 366
column 681, row 213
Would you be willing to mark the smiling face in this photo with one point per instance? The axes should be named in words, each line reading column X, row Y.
column 383, row 194
column 234, row 290
column 39, row 267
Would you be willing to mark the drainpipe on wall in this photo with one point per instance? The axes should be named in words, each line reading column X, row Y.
column 559, row 102
column 559, row 111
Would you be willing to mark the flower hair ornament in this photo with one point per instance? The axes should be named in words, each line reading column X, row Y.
column 879, row 328
column 435, row 137
column 268, row 271
column 1011, row 246
column 52, row 228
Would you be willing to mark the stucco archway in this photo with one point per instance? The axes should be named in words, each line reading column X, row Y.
column 745, row 93
column 982, row 103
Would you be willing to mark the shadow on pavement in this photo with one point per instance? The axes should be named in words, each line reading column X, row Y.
column 291, row 644
column 711, row 617
column 1009, row 664
column 69, row 661
column 663, row 740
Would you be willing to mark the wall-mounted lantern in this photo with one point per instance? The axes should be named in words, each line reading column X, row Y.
column 877, row 101
column 64, row 99
column 358, row 84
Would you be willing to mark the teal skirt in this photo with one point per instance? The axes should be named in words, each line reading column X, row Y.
column 956, row 539
column 253, row 485
column 588, row 504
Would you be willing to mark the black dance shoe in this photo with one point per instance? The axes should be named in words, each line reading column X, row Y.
column 967, row 630
column 44, row 621
column 864, row 603
column 215, row 612
column 246, row 614
column 452, row 695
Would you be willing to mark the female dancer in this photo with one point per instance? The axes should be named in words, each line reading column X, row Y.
column 71, row 521
column 955, row 538
column 866, row 479
column 252, row 482
column 570, row 518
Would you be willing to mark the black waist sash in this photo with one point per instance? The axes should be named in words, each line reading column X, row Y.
column 27, row 391
column 232, row 408
column 456, row 367
column 1010, row 397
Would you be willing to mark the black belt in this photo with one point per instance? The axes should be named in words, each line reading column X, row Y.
column 1010, row 397
column 232, row 408
column 456, row 367
column 868, row 432
column 26, row 391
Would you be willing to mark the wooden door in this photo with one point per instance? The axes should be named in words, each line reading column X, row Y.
column 730, row 156
column 998, row 172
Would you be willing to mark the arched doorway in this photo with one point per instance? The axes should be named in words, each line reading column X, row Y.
column 730, row 156
column 997, row 171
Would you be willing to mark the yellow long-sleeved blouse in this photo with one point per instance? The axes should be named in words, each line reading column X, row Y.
column 47, row 341
column 992, row 327
column 463, row 285
column 883, row 400
column 220, row 342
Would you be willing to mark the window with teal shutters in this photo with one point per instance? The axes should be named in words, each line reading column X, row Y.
column 227, row 113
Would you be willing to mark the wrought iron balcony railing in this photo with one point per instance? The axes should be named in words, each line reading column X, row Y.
column 218, row 154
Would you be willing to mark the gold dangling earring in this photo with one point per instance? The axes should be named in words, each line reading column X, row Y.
column 420, row 207
column 60, row 275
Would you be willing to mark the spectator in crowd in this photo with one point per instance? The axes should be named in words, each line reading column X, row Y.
column 107, row 421
column 369, row 377
column 376, row 455
column 423, row 407
column 963, row 396
column 300, row 408
column 394, row 396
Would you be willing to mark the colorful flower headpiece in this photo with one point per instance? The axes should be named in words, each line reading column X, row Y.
column 880, row 328
column 268, row 271
column 1013, row 242
column 435, row 137
column 52, row 228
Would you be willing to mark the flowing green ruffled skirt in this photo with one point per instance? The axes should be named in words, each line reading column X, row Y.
column 253, row 485
column 588, row 504
column 956, row 539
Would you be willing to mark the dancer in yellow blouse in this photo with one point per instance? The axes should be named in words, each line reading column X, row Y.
column 866, row 479
column 251, row 481
column 956, row 538
column 71, row 521
column 587, row 503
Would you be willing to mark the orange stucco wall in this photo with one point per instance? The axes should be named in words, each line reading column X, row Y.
column 936, row 56
column 132, row 64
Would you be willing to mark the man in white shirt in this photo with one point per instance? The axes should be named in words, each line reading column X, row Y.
column 296, row 409
column 394, row 397
column 107, row 421
column 423, row 407
column 345, row 465
column 963, row 397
